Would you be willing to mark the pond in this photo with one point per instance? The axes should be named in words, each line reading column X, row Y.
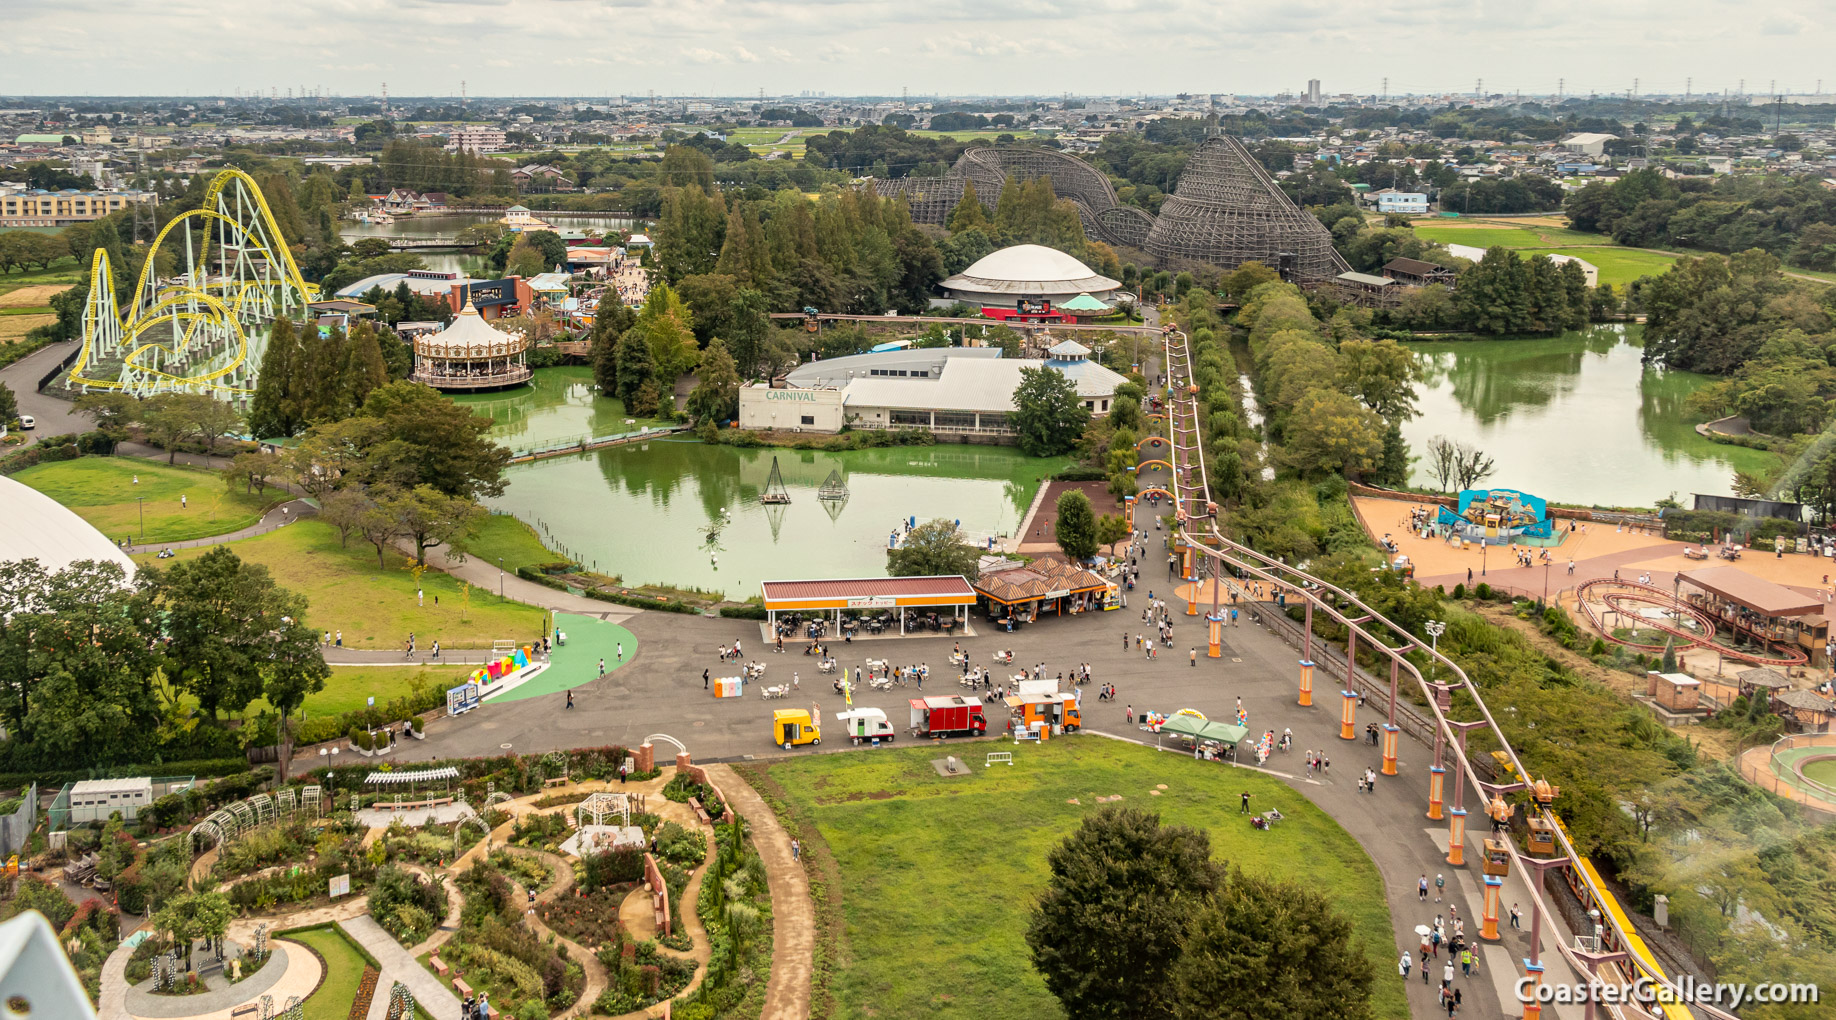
column 645, row 512
column 1575, row 419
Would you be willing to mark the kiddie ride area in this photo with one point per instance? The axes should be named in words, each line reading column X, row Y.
column 1496, row 517
column 513, row 667
column 1649, row 607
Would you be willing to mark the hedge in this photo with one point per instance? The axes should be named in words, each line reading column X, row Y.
column 1081, row 474
column 203, row 769
column 744, row 612
column 656, row 602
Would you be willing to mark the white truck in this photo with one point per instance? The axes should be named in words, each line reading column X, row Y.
column 865, row 725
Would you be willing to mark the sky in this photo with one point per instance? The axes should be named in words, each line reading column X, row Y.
column 598, row 48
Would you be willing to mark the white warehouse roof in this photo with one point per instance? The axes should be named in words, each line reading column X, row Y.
column 40, row 528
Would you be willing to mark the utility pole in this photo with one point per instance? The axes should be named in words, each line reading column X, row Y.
column 1478, row 88
column 1386, row 90
column 1560, row 83
column 462, row 93
column 1687, row 82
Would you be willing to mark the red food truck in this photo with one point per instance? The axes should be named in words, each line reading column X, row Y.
column 948, row 716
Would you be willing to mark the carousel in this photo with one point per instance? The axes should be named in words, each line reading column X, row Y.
column 471, row 355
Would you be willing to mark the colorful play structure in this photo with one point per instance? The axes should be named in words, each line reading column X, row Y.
column 515, row 665
column 1496, row 516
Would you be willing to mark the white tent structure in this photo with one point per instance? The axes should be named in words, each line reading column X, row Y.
column 37, row 527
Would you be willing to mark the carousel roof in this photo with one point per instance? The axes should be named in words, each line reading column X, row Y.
column 470, row 335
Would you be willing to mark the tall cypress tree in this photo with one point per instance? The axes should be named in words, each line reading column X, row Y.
column 269, row 409
column 364, row 369
column 968, row 212
column 611, row 320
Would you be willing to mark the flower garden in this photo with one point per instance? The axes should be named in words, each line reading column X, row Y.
column 535, row 930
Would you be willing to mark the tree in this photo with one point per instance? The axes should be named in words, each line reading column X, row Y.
column 969, row 212
column 1272, row 949
column 549, row 247
column 1106, row 933
column 228, row 627
column 1076, row 527
column 1381, row 374
column 933, row 548
column 431, row 518
column 1048, row 414
column 112, row 412
column 274, row 410
column 716, row 394
column 1470, row 466
column 635, row 373
column 167, row 421
column 525, row 259
column 1442, row 455
column 1329, row 432
column 1493, row 295
column 1110, row 529
column 210, row 419
column 9, row 405
column 611, row 320
column 422, row 438
column 251, row 470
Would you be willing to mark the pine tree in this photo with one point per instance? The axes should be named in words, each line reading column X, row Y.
column 1548, row 297
column 611, row 320
column 1574, row 284
column 716, row 394
column 364, row 369
column 635, row 369
column 270, row 414
column 968, row 212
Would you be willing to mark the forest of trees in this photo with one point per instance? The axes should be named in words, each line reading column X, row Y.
column 1793, row 219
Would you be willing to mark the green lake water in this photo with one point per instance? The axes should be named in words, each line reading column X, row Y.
column 644, row 511
column 1574, row 419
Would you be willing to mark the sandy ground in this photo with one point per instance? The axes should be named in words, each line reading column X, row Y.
column 35, row 296
column 1596, row 552
column 15, row 327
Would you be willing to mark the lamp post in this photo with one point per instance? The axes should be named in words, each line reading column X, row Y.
column 1435, row 629
column 500, row 579
column 1546, row 566
column 1484, row 548
column 142, row 502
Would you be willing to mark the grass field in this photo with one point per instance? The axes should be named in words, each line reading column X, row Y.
column 939, row 876
column 375, row 608
column 344, row 966
column 503, row 537
column 1822, row 772
column 13, row 328
column 103, row 492
column 1617, row 265
column 1486, row 233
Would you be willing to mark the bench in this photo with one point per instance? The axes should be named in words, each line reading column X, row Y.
column 557, row 781
column 438, row 965
column 463, row 990
column 244, row 1010
column 701, row 813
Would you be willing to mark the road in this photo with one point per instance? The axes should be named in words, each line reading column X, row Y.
column 55, row 416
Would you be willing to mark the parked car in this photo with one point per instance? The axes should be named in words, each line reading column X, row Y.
column 26, row 421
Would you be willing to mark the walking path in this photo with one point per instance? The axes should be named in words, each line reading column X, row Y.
column 287, row 973
column 793, row 914
column 275, row 519
column 597, row 980
column 398, row 965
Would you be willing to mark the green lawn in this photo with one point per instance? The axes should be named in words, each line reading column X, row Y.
column 350, row 685
column 939, row 875
column 375, row 608
column 63, row 272
column 1617, row 265
column 344, row 965
column 503, row 537
column 1511, row 236
column 103, row 491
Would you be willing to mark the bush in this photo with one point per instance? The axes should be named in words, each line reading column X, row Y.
column 679, row 845
column 1459, row 592
column 1483, row 592
column 1081, row 474
column 748, row 611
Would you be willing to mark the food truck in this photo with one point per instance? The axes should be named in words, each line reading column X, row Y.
column 866, row 725
column 794, row 726
column 1033, row 712
column 947, row 716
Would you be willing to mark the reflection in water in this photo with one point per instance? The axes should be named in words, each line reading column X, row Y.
column 1576, row 418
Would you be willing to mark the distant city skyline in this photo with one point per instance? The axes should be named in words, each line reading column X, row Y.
column 598, row 48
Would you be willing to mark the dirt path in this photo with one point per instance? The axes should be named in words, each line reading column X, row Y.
column 793, row 924
column 597, row 980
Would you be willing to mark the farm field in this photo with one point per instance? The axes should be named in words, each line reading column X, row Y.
column 103, row 491
column 938, row 876
column 1486, row 233
column 375, row 607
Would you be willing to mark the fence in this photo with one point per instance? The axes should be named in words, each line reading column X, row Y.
column 1329, row 668
column 1761, row 767
column 17, row 827
column 46, row 379
column 572, row 444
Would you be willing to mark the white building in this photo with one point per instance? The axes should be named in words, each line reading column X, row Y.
column 949, row 390
column 40, row 528
column 476, row 139
column 93, row 800
column 1025, row 272
column 1588, row 142
column 1401, row 202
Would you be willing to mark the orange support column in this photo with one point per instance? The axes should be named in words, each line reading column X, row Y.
column 1306, row 684
column 1437, row 776
column 1456, row 837
column 1533, row 1008
column 1214, row 626
column 1488, row 927
column 1128, row 513
column 1390, row 730
column 1348, row 724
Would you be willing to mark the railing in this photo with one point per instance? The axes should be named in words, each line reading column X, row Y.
column 1367, row 626
column 1759, row 766
column 574, row 444
column 442, row 381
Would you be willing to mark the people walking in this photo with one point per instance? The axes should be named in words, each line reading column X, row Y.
column 570, row 699
column 1440, row 884
column 1403, row 965
column 704, row 679
column 1421, row 889
column 602, row 665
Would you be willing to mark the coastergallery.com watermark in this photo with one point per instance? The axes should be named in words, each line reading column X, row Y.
column 1645, row 991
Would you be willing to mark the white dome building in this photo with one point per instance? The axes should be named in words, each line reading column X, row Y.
column 40, row 528
column 471, row 355
column 1026, row 279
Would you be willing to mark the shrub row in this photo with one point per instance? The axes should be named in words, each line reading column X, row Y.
column 657, row 602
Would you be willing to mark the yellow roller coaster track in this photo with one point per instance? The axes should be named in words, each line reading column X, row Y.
column 249, row 225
